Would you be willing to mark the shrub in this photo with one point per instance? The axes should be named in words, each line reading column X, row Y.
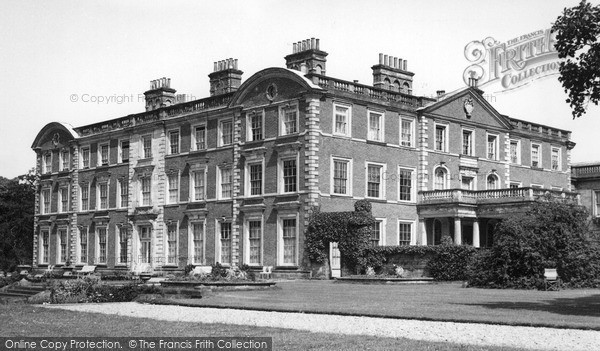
column 90, row 289
column 450, row 262
column 551, row 234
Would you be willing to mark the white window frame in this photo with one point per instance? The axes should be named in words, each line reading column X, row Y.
column 280, row 242
column 219, row 246
column 413, row 237
column 47, row 165
column 559, row 161
column 518, row 143
column 382, row 230
column 86, row 150
column 220, row 183
column 120, row 194
column 348, row 121
column 139, row 244
column 412, row 131
column 81, row 201
column 168, row 244
column 170, row 134
column 249, row 133
column 192, row 246
column 46, row 194
column 79, row 244
column 60, row 258
column 97, row 256
column 253, row 218
column 539, row 149
column 143, row 139
column 518, row 184
column 471, row 141
column 62, row 159
column 121, row 160
column 381, row 135
column 99, row 161
column 280, row 181
column 349, row 180
column 413, row 190
column 44, row 243
column 141, row 184
column 472, row 185
column 98, row 196
column 282, row 109
column 221, row 135
column 497, row 183
column 382, row 183
column 444, row 136
column 496, row 150
column 193, row 184
column 178, row 189
column 248, row 184
column 120, row 230
column 61, row 199
column 194, row 145
column 446, row 183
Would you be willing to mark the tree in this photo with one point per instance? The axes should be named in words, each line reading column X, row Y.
column 17, row 201
column 551, row 234
column 578, row 29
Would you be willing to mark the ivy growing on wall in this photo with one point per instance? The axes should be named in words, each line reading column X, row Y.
column 351, row 230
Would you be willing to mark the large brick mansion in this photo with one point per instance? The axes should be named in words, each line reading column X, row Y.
column 233, row 177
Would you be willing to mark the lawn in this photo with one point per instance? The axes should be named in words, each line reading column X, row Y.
column 31, row 320
column 447, row 302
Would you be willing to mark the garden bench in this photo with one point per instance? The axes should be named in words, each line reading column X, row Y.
column 266, row 272
column 551, row 279
column 86, row 270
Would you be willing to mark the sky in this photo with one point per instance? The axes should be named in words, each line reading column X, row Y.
column 60, row 58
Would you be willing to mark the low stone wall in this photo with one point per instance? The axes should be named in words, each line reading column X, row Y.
column 415, row 266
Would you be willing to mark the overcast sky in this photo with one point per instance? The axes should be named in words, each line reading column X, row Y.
column 53, row 52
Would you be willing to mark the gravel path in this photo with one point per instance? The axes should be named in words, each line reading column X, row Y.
column 460, row 333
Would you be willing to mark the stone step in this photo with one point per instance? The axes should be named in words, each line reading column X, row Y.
column 14, row 294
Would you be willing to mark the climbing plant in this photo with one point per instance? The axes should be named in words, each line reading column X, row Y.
column 351, row 230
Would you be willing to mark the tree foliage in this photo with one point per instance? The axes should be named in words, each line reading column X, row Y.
column 551, row 234
column 578, row 29
column 17, row 201
column 351, row 230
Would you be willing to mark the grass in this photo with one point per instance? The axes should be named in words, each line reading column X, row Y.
column 447, row 302
column 31, row 320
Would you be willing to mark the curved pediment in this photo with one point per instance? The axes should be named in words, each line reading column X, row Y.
column 272, row 85
column 54, row 135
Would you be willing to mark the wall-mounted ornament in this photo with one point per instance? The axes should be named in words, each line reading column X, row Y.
column 271, row 92
column 55, row 139
column 468, row 106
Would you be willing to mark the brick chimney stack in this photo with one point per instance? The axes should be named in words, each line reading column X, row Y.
column 225, row 78
column 391, row 74
column 160, row 94
column 307, row 57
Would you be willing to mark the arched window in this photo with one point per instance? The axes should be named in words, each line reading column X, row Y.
column 406, row 88
column 318, row 69
column 387, row 84
column 492, row 182
column 440, row 179
column 396, row 86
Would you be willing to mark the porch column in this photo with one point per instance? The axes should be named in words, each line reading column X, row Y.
column 457, row 231
column 476, row 232
column 422, row 231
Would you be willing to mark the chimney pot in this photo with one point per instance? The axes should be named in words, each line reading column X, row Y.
column 168, row 82
column 404, row 65
column 386, row 60
column 317, row 44
column 312, row 43
column 395, row 62
column 235, row 64
column 381, row 59
column 440, row 93
column 294, row 48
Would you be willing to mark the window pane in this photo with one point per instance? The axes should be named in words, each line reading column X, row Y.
column 375, row 126
column 226, row 133
column 290, row 120
column 254, row 237
column 340, row 177
column 199, row 186
column 374, row 181
column 174, row 142
column 172, row 244
column 123, row 237
column 404, row 232
column 376, row 233
column 405, row 184
column 289, row 176
column 125, row 151
column 104, row 154
column 173, row 188
column 225, row 183
column 101, row 245
column 406, row 133
column 341, row 120
column 440, row 138
column 256, row 126
column 289, row 241
column 83, row 244
column 226, row 242
column 147, row 144
column 200, row 138
column 256, row 179
column 146, row 191
column 514, row 152
column 198, row 238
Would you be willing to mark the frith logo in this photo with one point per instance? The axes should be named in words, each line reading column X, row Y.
column 513, row 64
